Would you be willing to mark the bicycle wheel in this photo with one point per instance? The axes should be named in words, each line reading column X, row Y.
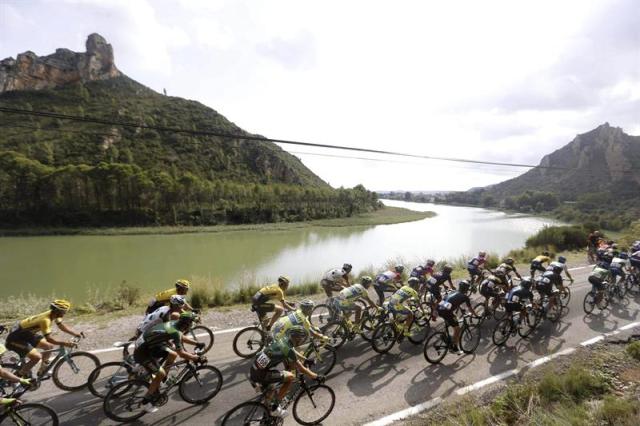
column 622, row 290
column 321, row 360
column 30, row 414
column 123, row 403
column 481, row 313
column 314, row 404
column 247, row 413
column 200, row 385
column 565, row 297
column 470, row 338
column 248, row 342
column 554, row 314
column 384, row 337
column 418, row 333
column 73, row 373
column 527, row 324
column 105, row 377
column 589, row 302
column 337, row 332
column 202, row 334
column 500, row 312
column 369, row 325
column 436, row 347
column 501, row 332
column 321, row 315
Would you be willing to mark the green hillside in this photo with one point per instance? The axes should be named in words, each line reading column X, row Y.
column 60, row 172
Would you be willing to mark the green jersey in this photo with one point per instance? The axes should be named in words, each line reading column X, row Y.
column 279, row 350
column 403, row 294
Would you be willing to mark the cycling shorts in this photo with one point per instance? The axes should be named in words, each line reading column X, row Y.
column 513, row 306
column 434, row 289
column 473, row 271
column 635, row 262
column 22, row 341
column 150, row 357
column 398, row 309
column 616, row 272
column 343, row 305
column 448, row 317
column 330, row 285
column 267, row 377
column 261, row 305
column 488, row 292
column 537, row 266
column 596, row 283
column 545, row 289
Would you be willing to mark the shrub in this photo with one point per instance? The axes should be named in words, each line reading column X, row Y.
column 561, row 237
column 633, row 350
column 618, row 411
column 127, row 295
column 511, row 404
column 200, row 296
column 576, row 384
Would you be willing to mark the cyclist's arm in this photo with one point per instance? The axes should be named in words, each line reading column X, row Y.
column 186, row 355
column 62, row 326
column 369, row 301
column 451, row 283
column 189, row 340
column 53, row 341
column 287, row 305
column 471, row 308
column 301, row 368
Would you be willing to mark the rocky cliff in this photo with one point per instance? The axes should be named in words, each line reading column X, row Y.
column 603, row 159
column 31, row 72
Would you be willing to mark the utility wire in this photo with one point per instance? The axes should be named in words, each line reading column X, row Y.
column 250, row 137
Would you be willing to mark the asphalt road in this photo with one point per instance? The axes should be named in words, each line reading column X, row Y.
column 369, row 386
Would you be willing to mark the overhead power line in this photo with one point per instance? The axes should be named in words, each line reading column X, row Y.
column 257, row 138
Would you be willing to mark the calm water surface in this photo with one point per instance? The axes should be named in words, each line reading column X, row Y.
column 72, row 265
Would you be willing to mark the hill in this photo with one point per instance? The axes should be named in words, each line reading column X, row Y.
column 594, row 179
column 59, row 172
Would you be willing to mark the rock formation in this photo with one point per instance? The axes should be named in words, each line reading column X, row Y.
column 31, row 72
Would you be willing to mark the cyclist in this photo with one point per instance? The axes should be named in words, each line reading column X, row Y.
column 476, row 265
column 397, row 302
column 421, row 272
column 264, row 373
column 333, row 280
column 593, row 241
column 388, row 282
column 7, row 375
column 162, row 298
column 505, row 269
column 345, row 301
column 597, row 278
column 434, row 283
column 491, row 287
column 448, row 306
column 24, row 340
column 162, row 314
column 537, row 263
column 264, row 301
column 618, row 266
column 562, row 263
column 545, row 283
column 516, row 297
column 154, row 345
column 298, row 318
column 634, row 260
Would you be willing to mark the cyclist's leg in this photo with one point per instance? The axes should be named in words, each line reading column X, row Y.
column 326, row 286
column 277, row 313
column 358, row 310
column 24, row 343
column 287, row 380
column 379, row 289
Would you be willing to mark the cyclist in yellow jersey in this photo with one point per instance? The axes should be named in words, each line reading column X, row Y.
column 345, row 301
column 163, row 298
column 399, row 298
column 264, row 301
column 298, row 318
column 537, row 263
column 24, row 340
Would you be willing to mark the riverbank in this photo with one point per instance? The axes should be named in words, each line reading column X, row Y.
column 384, row 216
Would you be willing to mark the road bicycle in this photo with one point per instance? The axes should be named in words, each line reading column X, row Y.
column 543, row 309
column 323, row 313
column 521, row 324
column 250, row 340
column 608, row 292
column 70, row 369
column 438, row 344
column 109, row 374
column 20, row 413
column 494, row 309
column 201, row 333
column 391, row 331
column 341, row 329
column 311, row 405
column 197, row 384
column 320, row 357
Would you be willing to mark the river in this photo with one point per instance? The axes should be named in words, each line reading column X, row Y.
column 73, row 266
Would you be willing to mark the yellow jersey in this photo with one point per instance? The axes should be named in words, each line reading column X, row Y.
column 164, row 296
column 41, row 322
column 542, row 259
column 273, row 292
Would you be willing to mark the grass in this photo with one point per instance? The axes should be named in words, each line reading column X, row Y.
column 384, row 216
column 633, row 350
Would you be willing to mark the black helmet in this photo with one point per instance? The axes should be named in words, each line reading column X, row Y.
column 509, row 261
column 499, row 273
column 347, row 267
column 526, row 283
column 430, row 262
column 366, row 281
column 399, row 268
column 413, row 282
column 447, row 268
column 464, row 286
column 562, row 259
column 545, row 253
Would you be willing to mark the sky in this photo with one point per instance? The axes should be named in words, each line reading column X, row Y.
column 505, row 81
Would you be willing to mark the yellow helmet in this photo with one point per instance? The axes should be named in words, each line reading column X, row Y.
column 183, row 283
column 282, row 280
column 61, row 305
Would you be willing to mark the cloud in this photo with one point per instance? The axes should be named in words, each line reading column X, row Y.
column 297, row 52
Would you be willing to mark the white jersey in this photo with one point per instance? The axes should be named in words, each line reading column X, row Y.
column 618, row 262
column 560, row 264
column 333, row 275
column 387, row 276
column 154, row 318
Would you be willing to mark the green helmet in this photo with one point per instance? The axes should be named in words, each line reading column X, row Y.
column 297, row 331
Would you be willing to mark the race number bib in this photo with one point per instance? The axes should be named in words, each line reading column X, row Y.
column 515, row 299
column 263, row 360
column 445, row 305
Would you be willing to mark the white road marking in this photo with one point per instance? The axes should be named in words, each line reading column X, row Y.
column 487, row 381
column 408, row 412
column 592, row 341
